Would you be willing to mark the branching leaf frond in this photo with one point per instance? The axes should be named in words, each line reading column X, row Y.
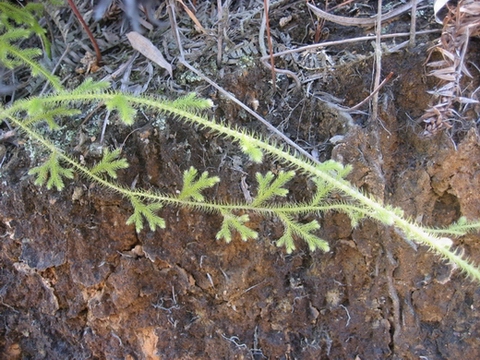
column 328, row 177
column 12, row 56
column 51, row 172
column 110, row 163
column 142, row 211
column 16, row 57
column 193, row 185
column 21, row 16
column 269, row 187
column 287, row 240
column 232, row 222
column 302, row 231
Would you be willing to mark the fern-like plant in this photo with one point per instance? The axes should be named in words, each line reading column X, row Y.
column 329, row 177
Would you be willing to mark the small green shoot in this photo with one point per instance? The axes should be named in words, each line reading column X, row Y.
column 269, row 186
column 236, row 223
column 110, row 163
column 143, row 211
column 193, row 185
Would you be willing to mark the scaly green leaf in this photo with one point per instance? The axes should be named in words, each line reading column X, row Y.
column 12, row 56
column 90, row 86
column 459, row 228
column 323, row 189
column 335, row 168
column 287, row 240
column 192, row 102
column 24, row 16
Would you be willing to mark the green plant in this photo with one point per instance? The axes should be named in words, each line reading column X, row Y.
column 30, row 115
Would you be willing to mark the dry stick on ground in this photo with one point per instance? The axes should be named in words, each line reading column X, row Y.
column 374, row 118
column 460, row 23
column 341, row 4
column 79, row 16
column 378, row 51
column 192, row 16
column 231, row 97
column 59, row 61
column 174, row 26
